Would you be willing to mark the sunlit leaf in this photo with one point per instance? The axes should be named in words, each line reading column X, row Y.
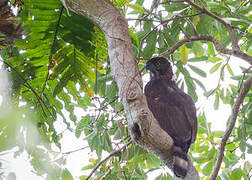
column 216, row 101
column 230, row 70
column 66, row 175
column 137, row 8
column 207, row 169
column 215, row 67
column 197, row 59
column 183, row 54
column 198, row 71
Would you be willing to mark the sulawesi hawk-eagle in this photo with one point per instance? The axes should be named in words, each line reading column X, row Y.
column 173, row 109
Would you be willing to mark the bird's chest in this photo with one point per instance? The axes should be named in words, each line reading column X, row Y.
column 162, row 92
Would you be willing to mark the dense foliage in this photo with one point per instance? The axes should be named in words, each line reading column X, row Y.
column 61, row 63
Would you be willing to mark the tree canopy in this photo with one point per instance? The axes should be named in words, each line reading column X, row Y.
column 59, row 59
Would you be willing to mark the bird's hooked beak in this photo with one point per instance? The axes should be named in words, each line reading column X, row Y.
column 152, row 69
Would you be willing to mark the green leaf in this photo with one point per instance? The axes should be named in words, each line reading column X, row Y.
column 90, row 166
column 216, row 102
column 111, row 90
column 236, row 174
column 80, row 126
column 66, row 175
column 211, row 154
column 230, row 70
column 11, row 176
column 189, row 82
column 238, row 77
column 149, row 49
column 161, row 40
column 207, row 169
column 214, row 59
column 250, row 149
column 183, row 54
column 211, row 49
column 197, row 49
column 215, row 67
column 170, row 34
column 107, row 142
column 164, row 177
column 63, row 81
column 138, row 9
column 198, row 71
column 155, row 161
column 140, row 2
column 175, row 7
column 191, row 89
column 205, row 26
column 201, row 85
column 218, row 133
column 197, row 59
column 242, row 146
column 202, row 124
column 247, row 166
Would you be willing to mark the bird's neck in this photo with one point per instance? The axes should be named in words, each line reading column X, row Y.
column 166, row 76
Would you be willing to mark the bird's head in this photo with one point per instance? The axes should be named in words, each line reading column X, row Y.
column 159, row 66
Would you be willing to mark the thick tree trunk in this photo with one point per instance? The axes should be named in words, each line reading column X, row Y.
column 143, row 127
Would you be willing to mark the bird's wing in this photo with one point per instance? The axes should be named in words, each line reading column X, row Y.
column 172, row 109
column 190, row 111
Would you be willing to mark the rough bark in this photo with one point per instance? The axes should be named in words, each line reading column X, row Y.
column 8, row 25
column 143, row 127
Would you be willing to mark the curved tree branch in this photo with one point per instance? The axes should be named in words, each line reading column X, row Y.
column 235, row 111
column 227, row 25
column 235, row 51
column 217, row 45
column 143, row 127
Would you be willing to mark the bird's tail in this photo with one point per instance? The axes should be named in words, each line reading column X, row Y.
column 180, row 162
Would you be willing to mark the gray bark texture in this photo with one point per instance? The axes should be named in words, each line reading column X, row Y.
column 143, row 127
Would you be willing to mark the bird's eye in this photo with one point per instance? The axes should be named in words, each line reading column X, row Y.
column 158, row 64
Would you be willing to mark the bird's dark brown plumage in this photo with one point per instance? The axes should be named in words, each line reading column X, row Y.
column 174, row 110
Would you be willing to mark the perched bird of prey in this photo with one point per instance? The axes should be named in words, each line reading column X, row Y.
column 173, row 109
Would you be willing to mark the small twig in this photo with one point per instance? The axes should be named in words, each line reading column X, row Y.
column 179, row 17
column 235, row 111
column 109, row 156
column 192, row 26
column 231, row 151
column 249, row 176
column 65, row 5
column 69, row 152
column 53, row 47
column 218, row 46
column 108, row 103
column 243, row 76
column 227, row 25
column 221, row 74
column 186, row 35
column 140, row 19
column 174, row 1
column 106, row 175
column 150, row 170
